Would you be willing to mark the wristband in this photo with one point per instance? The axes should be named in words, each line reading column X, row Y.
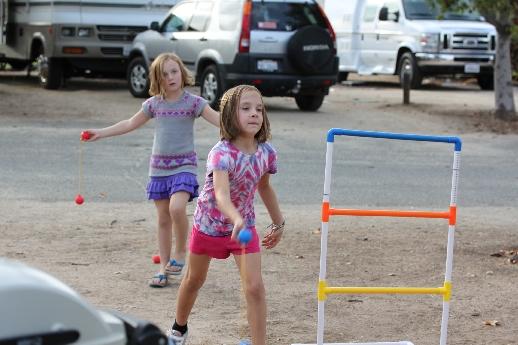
column 277, row 227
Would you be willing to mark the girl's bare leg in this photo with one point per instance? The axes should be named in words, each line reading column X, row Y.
column 252, row 283
column 180, row 223
column 191, row 284
column 164, row 234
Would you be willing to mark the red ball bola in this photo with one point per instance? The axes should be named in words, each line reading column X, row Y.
column 79, row 199
column 85, row 135
column 156, row 259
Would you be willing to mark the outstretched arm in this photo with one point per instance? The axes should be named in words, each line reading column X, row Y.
column 121, row 127
column 210, row 115
column 225, row 205
column 267, row 194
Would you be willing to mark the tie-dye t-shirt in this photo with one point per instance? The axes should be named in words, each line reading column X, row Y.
column 244, row 173
column 173, row 145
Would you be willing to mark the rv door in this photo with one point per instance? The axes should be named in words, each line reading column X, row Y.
column 3, row 21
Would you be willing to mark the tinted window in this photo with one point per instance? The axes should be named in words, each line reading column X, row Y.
column 229, row 14
column 370, row 13
column 201, row 16
column 280, row 16
column 179, row 18
column 423, row 9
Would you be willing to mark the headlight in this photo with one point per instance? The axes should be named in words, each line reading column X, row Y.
column 84, row 32
column 430, row 42
column 68, row 31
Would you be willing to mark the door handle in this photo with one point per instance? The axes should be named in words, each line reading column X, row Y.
column 203, row 39
column 174, row 38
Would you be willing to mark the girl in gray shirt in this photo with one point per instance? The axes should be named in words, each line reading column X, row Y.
column 172, row 166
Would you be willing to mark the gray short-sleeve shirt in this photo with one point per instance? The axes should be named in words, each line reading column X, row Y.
column 173, row 144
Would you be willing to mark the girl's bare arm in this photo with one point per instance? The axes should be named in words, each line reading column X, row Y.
column 267, row 194
column 225, row 205
column 121, row 127
column 210, row 115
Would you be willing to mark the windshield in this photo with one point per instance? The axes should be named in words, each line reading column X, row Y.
column 429, row 9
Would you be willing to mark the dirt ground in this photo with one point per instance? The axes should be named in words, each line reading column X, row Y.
column 104, row 252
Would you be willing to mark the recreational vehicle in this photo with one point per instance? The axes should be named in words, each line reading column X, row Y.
column 68, row 38
column 394, row 36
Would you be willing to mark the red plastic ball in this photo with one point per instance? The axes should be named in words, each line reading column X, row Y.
column 156, row 259
column 79, row 199
column 85, row 135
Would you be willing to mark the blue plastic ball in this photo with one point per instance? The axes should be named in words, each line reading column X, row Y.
column 244, row 236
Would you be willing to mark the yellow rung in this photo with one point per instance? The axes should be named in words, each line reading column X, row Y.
column 324, row 290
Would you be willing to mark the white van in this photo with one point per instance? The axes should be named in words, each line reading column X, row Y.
column 391, row 36
column 73, row 37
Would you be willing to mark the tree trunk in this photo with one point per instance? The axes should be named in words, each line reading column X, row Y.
column 504, row 98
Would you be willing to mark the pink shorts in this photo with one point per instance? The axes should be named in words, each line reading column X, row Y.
column 220, row 247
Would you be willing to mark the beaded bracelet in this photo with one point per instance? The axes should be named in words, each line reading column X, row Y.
column 277, row 227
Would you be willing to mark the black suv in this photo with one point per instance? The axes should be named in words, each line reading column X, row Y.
column 284, row 48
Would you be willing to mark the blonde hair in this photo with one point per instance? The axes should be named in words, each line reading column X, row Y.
column 229, row 109
column 156, row 73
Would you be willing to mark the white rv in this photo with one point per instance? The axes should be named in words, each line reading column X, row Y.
column 391, row 36
column 68, row 38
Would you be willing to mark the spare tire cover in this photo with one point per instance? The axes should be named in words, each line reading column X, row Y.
column 310, row 48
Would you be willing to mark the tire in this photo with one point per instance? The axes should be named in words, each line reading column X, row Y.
column 18, row 65
column 137, row 77
column 211, row 86
column 407, row 60
column 309, row 102
column 50, row 72
column 310, row 49
column 486, row 81
column 342, row 76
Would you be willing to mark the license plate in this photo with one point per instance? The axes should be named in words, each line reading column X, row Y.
column 472, row 68
column 267, row 65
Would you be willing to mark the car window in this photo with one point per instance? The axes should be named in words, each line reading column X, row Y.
column 369, row 14
column 179, row 18
column 282, row 16
column 228, row 16
column 201, row 16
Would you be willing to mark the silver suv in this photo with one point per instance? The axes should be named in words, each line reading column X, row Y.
column 284, row 48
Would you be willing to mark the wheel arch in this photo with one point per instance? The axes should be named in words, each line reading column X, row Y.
column 401, row 51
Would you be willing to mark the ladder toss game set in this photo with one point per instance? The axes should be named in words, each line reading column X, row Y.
column 451, row 215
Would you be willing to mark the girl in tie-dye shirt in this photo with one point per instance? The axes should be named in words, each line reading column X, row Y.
column 173, row 162
column 237, row 166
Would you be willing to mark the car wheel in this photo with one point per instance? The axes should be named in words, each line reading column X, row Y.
column 486, row 81
column 137, row 77
column 407, row 63
column 211, row 86
column 342, row 76
column 309, row 102
column 310, row 48
column 50, row 72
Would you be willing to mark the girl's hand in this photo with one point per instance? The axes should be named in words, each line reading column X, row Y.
column 273, row 237
column 239, row 224
column 90, row 135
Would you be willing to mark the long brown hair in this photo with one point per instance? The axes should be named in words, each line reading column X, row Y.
column 229, row 109
column 156, row 73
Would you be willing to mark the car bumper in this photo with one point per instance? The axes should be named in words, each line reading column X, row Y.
column 454, row 63
column 283, row 85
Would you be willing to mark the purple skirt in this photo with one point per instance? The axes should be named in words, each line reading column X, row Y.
column 162, row 187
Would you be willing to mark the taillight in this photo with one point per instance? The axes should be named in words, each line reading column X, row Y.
column 244, row 38
column 329, row 26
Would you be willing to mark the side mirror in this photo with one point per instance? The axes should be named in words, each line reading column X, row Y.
column 154, row 26
column 383, row 16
